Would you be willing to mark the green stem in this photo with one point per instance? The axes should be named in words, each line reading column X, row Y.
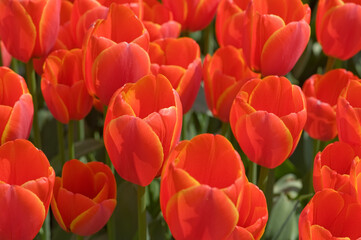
column 30, row 75
column 225, row 129
column 14, row 65
column 60, row 129
column 262, row 178
column 46, row 234
column 81, row 130
column 78, row 237
column 142, row 220
column 316, row 146
column 71, row 140
column 330, row 62
column 269, row 190
column 206, row 33
column 253, row 172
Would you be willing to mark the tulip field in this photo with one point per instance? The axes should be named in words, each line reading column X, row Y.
column 180, row 119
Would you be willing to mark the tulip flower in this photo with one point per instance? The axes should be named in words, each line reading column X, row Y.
column 205, row 194
column 330, row 215
column 193, row 15
column 26, row 188
column 273, row 34
column 267, row 118
column 142, row 125
column 5, row 56
column 348, row 115
column 184, row 71
column 16, row 106
column 114, row 53
column 29, row 28
column 224, row 74
column 333, row 166
column 84, row 197
column 63, row 86
column 322, row 92
column 158, row 20
column 337, row 24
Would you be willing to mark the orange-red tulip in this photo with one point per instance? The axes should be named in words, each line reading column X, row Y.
column 63, row 86
column 322, row 92
column 114, row 52
column 267, row 118
column 184, row 71
column 272, row 33
column 348, row 115
column 26, row 188
column 223, row 75
column 158, row 20
column 142, row 125
column 16, row 106
column 84, row 197
column 29, row 28
column 5, row 55
column 333, row 166
column 330, row 215
column 337, row 25
column 193, row 15
column 206, row 195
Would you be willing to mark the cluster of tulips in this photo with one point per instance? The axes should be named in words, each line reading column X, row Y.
column 135, row 62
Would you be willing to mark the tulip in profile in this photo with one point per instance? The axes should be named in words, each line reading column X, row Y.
column 330, row 215
column 29, row 28
column 26, row 188
column 16, row 106
column 63, row 86
column 223, row 75
column 84, row 197
column 267, row 118
column 206, row 195
column 272, row 33
column 337, row 27
column 142, row 125
column 184, row 70
column 322, row 92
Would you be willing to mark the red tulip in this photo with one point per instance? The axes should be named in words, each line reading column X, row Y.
column 114, row 53
column 5, row 56
column 26, row 188
column 267, row 118
column 184, row 71
column 205, row 193
column 330, row 215
column 333, row 166
column 224, row 74
column 84, row 197
column 273, row 34
column 322, row 92
column 16, row 106
column 193, row 15
column 348, row 115
column 337, row 24
column 158, row 20
column 63, row 86
column 142, row 125
column 29, row 28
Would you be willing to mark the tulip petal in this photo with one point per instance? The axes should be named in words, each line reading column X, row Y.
column 22, row 213
column 138, row 163
column 98, row 167
column 201, row 213
column 282, row 50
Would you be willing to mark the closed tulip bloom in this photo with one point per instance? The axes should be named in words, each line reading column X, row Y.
column 205, row 194
column 115, row 52
column 193, row 15
column 16, row 106
column 348, row 115
column 223, row 75
column 330, row 215
column 63, row 86
column 322, row 92
column 143, row 123
column 26, row 188
column 267, row 118
column 337, row 25
column 273, row 34
column 29, row 28
column 333, row 166
column 84, row 197
column 184, row 71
